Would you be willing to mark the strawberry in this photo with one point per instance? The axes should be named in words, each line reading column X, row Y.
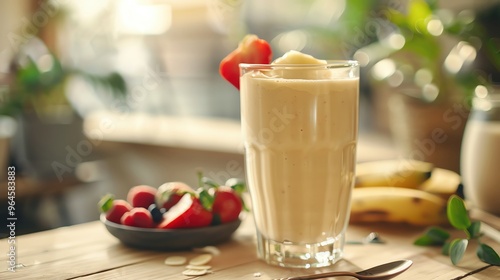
column 227, row 205
column 138, row 217
column 170, row 193
column 141, row 196
column 187, row 213
column 252, row 50
column 114, row 208
column 141, row 217
column 225, row 201
column 127, row 220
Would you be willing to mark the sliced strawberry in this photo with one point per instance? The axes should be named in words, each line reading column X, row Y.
column 142, row 217
column 170, row 193
column 250, row 50
column 227, row 205
column 141, row 196
column 187, row 213
column 138, row 217
column 114, row 208
column 127, row 220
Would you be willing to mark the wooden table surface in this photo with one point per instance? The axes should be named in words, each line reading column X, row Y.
column 88, row 251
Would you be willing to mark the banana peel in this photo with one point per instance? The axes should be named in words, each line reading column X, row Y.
column 397, row 205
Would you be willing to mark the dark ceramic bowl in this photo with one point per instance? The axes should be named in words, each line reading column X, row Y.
column 173, row 239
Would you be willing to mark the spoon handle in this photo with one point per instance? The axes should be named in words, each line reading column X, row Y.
column 323, row 275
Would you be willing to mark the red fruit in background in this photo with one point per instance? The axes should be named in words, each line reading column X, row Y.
column 115, row 209
column 227, row 205
column 251, row 49
column 141, row 196
column 170, row 193
column 187, row 213
column 127, row 220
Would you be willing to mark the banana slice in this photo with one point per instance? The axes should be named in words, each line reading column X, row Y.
column 397, row 205
column 395, row 173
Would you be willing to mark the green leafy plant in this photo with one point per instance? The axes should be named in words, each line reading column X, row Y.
column 36, row 85
column 426, row 32
column 456, row 248
column 34, row 78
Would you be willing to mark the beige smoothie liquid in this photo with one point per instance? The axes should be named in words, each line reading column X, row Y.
column 300, row 138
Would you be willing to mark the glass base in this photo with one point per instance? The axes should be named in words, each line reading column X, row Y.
column 294, row 255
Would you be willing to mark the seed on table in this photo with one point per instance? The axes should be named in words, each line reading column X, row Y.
column 195, row 272
column 201, row 259
column 175, row 260
column 208, row 249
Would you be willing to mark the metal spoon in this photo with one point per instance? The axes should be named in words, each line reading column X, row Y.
column 381, row 272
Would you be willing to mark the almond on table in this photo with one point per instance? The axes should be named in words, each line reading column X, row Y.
column 201, row 259
column 175, row 260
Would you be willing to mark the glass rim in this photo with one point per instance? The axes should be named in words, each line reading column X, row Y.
column 330, row 64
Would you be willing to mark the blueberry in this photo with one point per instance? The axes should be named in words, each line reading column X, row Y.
column 156, row 213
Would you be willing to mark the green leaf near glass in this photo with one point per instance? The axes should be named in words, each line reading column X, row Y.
column 456, row 248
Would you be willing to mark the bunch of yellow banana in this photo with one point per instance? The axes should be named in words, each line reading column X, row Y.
column 402, row 191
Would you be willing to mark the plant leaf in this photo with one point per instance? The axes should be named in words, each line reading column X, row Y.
column 209, row 182
column 396, row 17
column 457, row 214
column 433, row 236
column 486, row 254
column 492, row 45
column 424, row 240
column 418, row 14
column 238, row 185
column 457, row 249
column 446, row 249
column 433, row 4
column 113, row 82
column 206, row 200
column 474, row 230
column 438, row 234
column 105, row 203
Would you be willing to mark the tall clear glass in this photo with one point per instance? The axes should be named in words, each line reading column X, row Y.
column 300, row 130
column 480, row 157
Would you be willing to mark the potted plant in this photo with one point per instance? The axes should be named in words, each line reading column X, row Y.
column 33, row 92
column 424, row 73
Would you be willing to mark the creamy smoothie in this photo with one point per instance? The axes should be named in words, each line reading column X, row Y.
column 300, row 134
